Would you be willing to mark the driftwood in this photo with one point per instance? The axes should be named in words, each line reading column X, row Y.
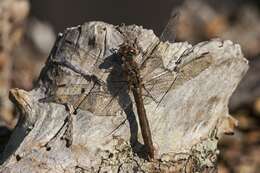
column 186, row 125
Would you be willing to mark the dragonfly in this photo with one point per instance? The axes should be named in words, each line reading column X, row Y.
column 111, row 97
column 128, row 52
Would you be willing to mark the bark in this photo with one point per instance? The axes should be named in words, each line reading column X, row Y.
column 186, row 125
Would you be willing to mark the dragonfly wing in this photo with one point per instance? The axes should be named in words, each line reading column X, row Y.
column 70, row 94
column 162, row 80
column 111, row 105
column 169, row 32
column 158, row 86
column 100, row 100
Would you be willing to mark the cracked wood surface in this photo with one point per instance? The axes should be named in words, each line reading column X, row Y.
column 185, row 126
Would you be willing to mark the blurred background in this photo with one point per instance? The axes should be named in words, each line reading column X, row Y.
column 28, row 30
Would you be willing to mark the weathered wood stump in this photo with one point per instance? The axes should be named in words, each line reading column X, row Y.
column 185, row 126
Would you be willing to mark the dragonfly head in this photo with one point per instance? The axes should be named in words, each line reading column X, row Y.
column 128, row 51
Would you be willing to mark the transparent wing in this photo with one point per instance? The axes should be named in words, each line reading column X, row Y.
column 158, row 80
column 104, row 98
column 158, row 86
column 161, row 81
column 97, row 99
column 169, row 32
